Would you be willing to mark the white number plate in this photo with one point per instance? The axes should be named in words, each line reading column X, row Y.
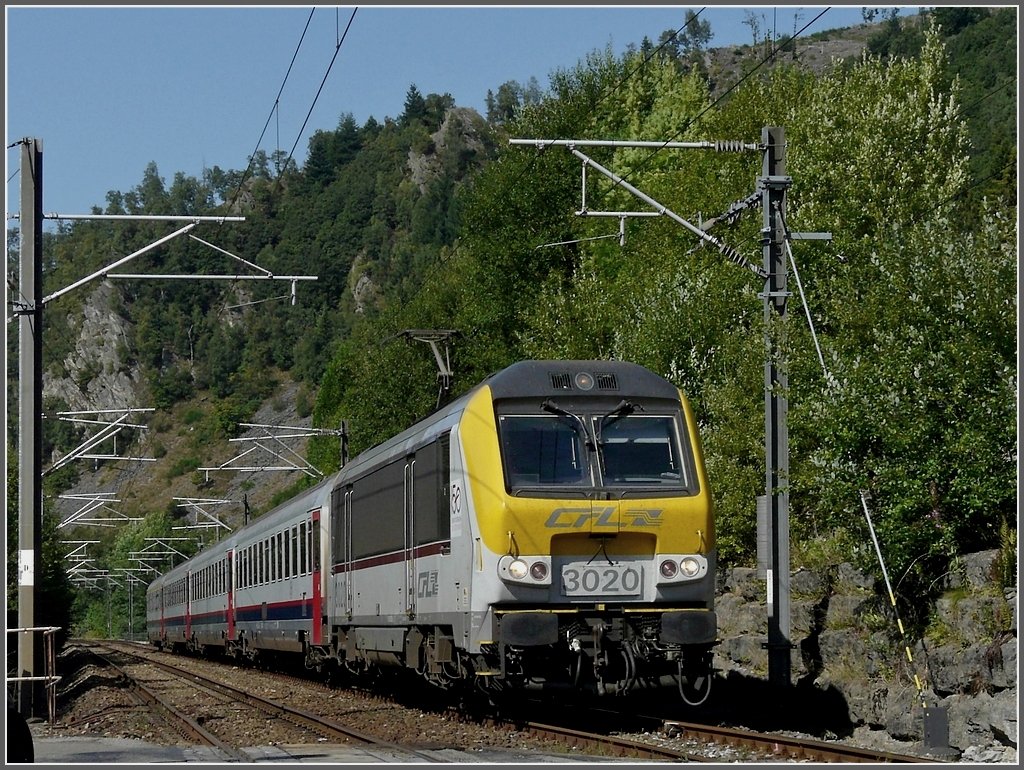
column 601, row 580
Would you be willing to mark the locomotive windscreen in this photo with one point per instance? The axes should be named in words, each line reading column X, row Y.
column 590, row 451
column 641, row 450
column 540, row 449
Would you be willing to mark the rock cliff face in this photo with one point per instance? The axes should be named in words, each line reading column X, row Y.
column 98, row 377
column 457, row 140
column 850, row 667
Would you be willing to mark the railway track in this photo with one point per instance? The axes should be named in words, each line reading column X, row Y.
column 190, row 727
column 785, row 747
column 606, row 733
column 689, row 740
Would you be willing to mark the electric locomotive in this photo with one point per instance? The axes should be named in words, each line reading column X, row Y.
column 551, row 528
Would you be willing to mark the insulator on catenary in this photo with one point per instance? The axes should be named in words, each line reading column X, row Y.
column 729, row 145
column 732, row 254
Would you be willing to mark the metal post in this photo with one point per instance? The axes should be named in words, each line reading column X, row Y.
column 776, row 386
column 131, row 609
column 30, row 418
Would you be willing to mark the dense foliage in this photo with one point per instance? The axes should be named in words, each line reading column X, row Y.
column 433, row 221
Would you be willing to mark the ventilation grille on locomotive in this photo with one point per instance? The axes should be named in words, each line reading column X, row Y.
column 561, row 381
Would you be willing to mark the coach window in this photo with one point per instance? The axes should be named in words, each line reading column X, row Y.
column 261, row 563
column 295, row 550
column 302, row 548
column 292, row 538
column 285, row 568
column 313, row 562
column 280, row 555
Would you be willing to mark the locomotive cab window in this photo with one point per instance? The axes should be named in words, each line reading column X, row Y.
column 641, row 450
column 543, row 450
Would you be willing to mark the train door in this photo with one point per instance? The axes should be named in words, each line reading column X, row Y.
column 231, row 595
column 410, row 536
column 317, row 614
column 188, row 605
column 345, row 594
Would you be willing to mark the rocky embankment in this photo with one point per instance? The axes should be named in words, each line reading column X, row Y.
column 851, row 672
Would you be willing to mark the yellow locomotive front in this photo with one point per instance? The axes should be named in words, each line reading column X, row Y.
column 595, row 527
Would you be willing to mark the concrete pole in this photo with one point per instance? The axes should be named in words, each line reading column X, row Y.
column 30, row 422
column 776, row 404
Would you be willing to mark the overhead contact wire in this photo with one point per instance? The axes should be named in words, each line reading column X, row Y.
column 337, row 49
column 273, row 110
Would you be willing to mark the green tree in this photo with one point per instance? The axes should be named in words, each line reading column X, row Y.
column 694, row 38
column 415, row 111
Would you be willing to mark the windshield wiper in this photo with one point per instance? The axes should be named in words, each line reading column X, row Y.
column 624, row 409
column 578, row 424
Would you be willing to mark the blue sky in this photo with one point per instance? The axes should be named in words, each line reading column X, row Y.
column 110, row 89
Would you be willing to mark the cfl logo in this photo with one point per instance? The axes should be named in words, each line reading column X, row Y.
column 426, row 584
column 577, row 518
column 643, row 518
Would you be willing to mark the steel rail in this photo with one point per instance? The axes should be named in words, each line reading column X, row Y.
column 180, row 722
column 298, row 717
column 769, row 745
column 608, row 744
column 791, row 747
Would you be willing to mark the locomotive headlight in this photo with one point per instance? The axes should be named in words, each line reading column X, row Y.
column 676, row 569
column 533, row 571
column 689, row 566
